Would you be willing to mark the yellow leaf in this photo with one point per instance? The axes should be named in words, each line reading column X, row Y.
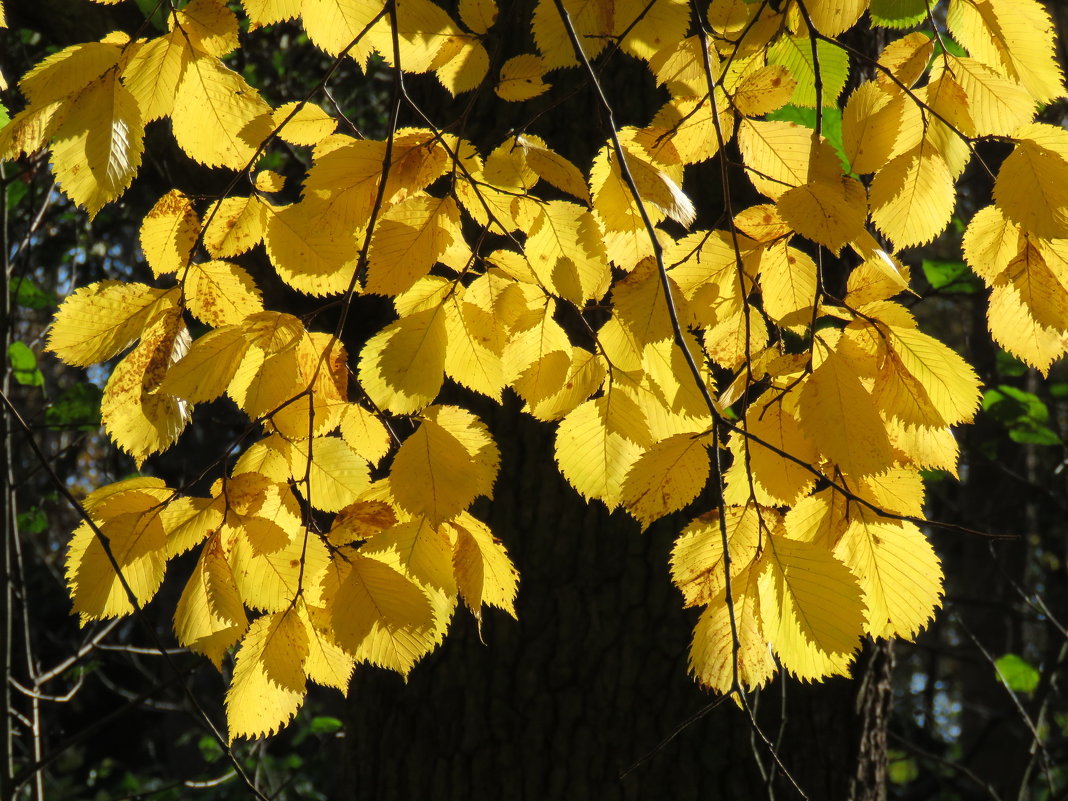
column 448, row 462
column 484, row 572
column 1015, row 328
column 666, row 477
column 313, row 249
column 1032, row 185
column 697, row 127
column 364, row 433
column 218, row 119
column 361, row 521
column 304, row 123
column 878, row 277
column 666, row 369
column 641, row 306
column 1014, row 37
column 138, row 419
column 464, row 70
column 832, row 17
column 99, row 144
column 269, row 181
column 787, row 283
column 205, row 372
column 154, row 72
column 582, row 377
column 408, row 240
column 210, row 617
column 521, row 78
column 68, row 72
column 187, row 521
column 326, row 662
column 949, row 381
column 777, row 154
column 598, row 442
column 31, row 129
column 839, row 416
column 912, row 198
column 271, row 580
column 831, row 213
column 811, row 608
column 646, row 29
column 478, row 15
column 899, row 490
column 783, row 479
column 402, row 366
column 995, row 106
column 336, row 474
column 906, row 59
column 592, row 22
column 475, row 346
column 169, row 233
column 426, row 34
column 712, row 653
column 898, row 573
column 130, row 521
column 820, row 518
column 268, row 685
column 333, row 24
column 234, row 225
column 420, row 550
column 378, row 615
column 697, row 566
column 680, row 66
column 726, row 341
column 103, row 319
column 764, row 90
column 268, row 12
column 209, row 26
column 566, row 251
column 871, row 126
column 268, row 457
column 552, row 167
column 990, row 243
column 221, row 293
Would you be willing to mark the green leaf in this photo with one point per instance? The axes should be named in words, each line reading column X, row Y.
column 210, row 750
column 832, row 125
column 897, row 13
column 24, row 365
column 1022, row 413
column 1018, row 674
column 950, row 276
column 932, row 476
column 29, row 296
column 16, row 191
column 5, row 117
column 32, row 521
column 77, row 406
column 325, row 725
column 1011, row 405
column 1009, row 366
column 900, row 767
column 1034, row 435
column 795, row 53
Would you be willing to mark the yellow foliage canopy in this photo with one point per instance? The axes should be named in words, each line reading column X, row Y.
column 713, row 371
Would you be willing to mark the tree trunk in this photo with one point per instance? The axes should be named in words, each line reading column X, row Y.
column 592, row 678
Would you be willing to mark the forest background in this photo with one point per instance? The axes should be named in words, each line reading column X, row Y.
column 587, row 690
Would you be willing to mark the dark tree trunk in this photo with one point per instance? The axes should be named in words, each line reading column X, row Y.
column 592, row 678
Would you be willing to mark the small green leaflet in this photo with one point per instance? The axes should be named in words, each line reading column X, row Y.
column 1018, row 674
column 29, row 296
column 24, row 365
